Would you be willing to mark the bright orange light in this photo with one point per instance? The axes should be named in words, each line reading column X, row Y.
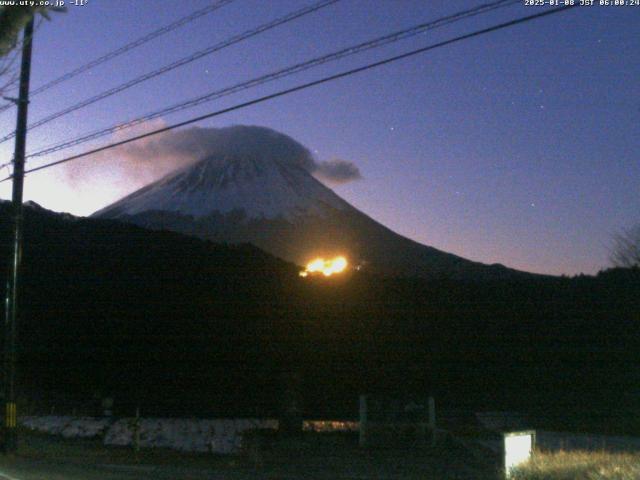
column 325, row 267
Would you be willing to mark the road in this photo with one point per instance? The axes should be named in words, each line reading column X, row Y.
column 28, row 469
column 315, row 456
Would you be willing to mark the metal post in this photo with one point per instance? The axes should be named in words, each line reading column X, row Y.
column 432, row 420
column 136, row 431
column 363, row 421
column 10, row 438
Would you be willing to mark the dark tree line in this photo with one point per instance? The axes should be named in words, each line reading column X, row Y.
column 186, row 327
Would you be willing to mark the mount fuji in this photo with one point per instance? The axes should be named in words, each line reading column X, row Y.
column 258, row 186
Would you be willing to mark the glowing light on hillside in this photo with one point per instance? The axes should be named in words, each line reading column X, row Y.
column 325, row 267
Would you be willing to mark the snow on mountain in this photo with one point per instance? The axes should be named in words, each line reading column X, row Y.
column 264, row 174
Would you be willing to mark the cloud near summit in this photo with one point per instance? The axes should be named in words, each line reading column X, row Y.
column 193, row 144
column 148, row 159
column 337, row 171
column 106, row 177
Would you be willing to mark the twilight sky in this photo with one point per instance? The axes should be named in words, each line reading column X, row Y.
column 519, row 147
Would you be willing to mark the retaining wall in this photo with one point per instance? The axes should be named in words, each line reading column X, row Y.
column 188, row 435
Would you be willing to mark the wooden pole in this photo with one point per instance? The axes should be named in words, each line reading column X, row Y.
column 10, row 440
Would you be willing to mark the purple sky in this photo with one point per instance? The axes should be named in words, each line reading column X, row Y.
column 519, row 147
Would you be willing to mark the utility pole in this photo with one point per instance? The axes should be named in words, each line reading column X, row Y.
column 10, row 436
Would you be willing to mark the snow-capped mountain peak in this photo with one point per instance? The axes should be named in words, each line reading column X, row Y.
column 255, row 178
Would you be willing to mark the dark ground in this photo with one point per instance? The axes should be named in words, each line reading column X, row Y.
column 314, row 456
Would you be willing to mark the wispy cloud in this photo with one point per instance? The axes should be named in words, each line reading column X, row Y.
column 337, row 171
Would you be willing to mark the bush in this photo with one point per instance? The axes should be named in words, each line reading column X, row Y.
column 580, row 465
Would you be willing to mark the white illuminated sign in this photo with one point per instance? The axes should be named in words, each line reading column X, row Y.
column 518, row 447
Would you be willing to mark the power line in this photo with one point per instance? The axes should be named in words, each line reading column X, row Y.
column 179, row 63
column 6, row 67
column 352, row 50
column 304, row 86
column 129, row 46
column 18, row 53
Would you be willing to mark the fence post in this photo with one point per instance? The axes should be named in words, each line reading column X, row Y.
column 421, row 431
column 432, row 419
column 136, row 431
column 363, row 421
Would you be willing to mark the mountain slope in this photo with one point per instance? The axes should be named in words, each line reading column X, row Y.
column 257, row 186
